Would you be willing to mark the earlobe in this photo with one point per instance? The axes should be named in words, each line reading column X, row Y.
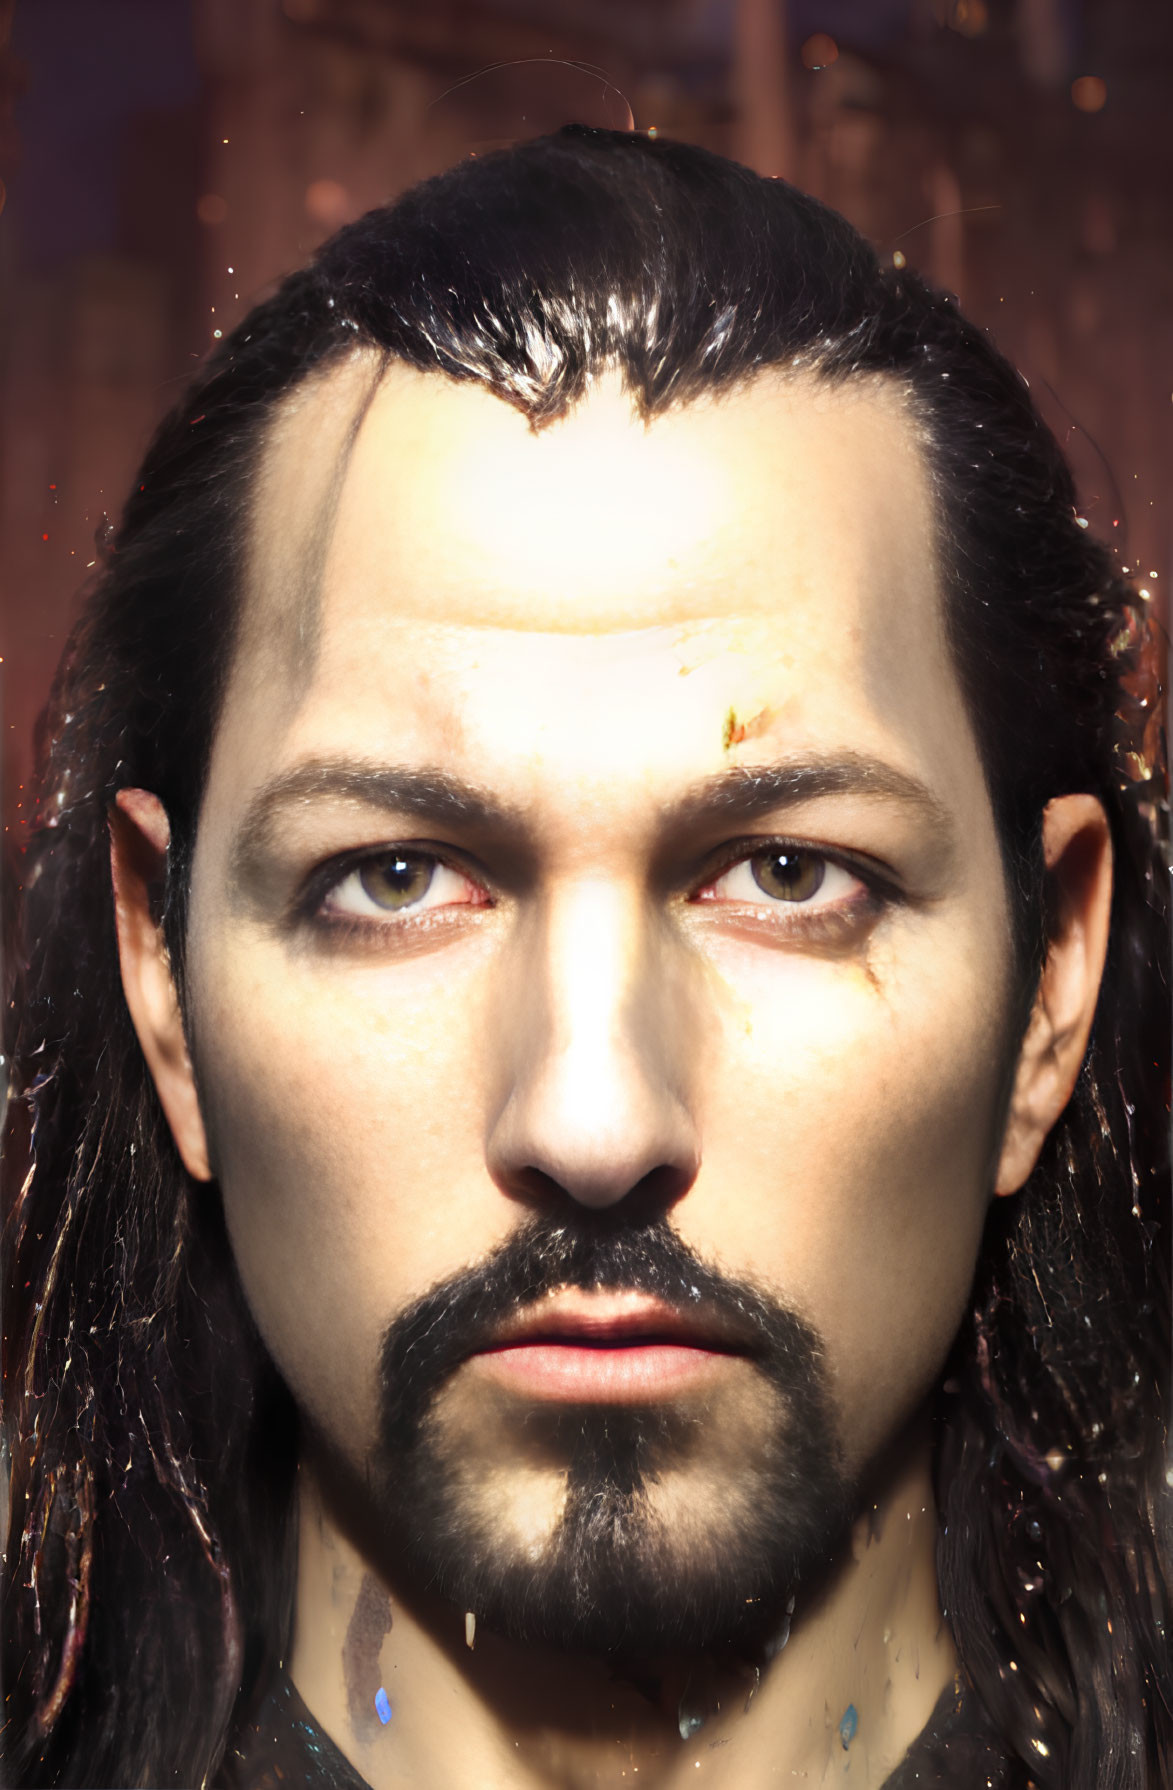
column 139, row 838
column 1077, row 848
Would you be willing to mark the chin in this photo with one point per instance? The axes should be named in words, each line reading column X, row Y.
column 654, row 1548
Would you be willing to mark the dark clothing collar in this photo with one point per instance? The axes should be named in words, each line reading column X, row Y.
column 283, row 1748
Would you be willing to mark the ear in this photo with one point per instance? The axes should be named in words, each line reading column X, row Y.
column 1077, row 848
column 139, row 837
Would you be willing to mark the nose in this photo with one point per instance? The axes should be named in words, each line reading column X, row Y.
column 595, row 1023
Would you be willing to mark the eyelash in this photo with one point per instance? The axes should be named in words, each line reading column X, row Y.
column 830, row 921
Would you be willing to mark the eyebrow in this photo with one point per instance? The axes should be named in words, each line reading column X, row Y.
column 749, row 791
column 739, row 794
column 429, row 795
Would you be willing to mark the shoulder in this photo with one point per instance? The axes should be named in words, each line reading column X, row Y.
column 279, row 1745
column 958, row 1749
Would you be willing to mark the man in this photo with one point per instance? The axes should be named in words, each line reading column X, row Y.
column 586, row 1239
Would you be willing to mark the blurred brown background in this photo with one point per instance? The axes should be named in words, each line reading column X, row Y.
column 164, row 160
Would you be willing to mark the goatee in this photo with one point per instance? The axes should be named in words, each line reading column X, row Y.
column 684, row 1524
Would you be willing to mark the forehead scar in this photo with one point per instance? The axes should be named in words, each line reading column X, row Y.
column 733, row 732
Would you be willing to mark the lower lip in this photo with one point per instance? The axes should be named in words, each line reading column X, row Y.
column 625, row 1374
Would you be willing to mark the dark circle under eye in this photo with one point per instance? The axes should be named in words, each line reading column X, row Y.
column 397, row 880
column 788, row 875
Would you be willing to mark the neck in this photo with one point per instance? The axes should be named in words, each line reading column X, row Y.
column 865, row 1661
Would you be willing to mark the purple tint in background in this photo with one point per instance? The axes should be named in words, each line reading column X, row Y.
column 93, row 74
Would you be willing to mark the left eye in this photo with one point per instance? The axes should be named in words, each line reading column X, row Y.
column 398, row 882
column 784, row 875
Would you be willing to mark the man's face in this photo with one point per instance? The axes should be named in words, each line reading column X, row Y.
column 596, row 849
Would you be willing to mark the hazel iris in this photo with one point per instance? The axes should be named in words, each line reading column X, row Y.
column 398, row 880
column 788, row 875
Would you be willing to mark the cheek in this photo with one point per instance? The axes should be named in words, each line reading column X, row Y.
column 342, row 1112
column 850, row 1134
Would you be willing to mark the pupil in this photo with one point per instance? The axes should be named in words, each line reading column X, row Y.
column 788, row 875
column 398, row 880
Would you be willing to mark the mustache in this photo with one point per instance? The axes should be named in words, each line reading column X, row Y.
column 460, row 1315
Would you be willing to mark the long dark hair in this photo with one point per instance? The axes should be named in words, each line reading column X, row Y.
column 152, row 1447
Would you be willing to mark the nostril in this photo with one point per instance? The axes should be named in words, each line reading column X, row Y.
column 535, row 1185
column 650, row 1197
column 661, row 1187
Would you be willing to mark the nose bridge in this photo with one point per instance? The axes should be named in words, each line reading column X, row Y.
column 591, row 959
column 596, row 1101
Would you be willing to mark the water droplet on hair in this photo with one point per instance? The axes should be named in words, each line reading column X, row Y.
column 689, row 1719
column 778, row 1641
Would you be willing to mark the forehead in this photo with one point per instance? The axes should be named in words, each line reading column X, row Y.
column 431, row 576
column 584, row 525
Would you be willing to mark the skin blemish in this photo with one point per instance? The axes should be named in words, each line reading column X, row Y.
column 734, row 731
column 370, row 1622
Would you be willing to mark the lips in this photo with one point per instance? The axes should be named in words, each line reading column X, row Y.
column 608, row 1347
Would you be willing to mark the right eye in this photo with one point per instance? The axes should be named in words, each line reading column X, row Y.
column 401, row 880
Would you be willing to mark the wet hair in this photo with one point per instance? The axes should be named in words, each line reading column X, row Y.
column 152, row 1447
